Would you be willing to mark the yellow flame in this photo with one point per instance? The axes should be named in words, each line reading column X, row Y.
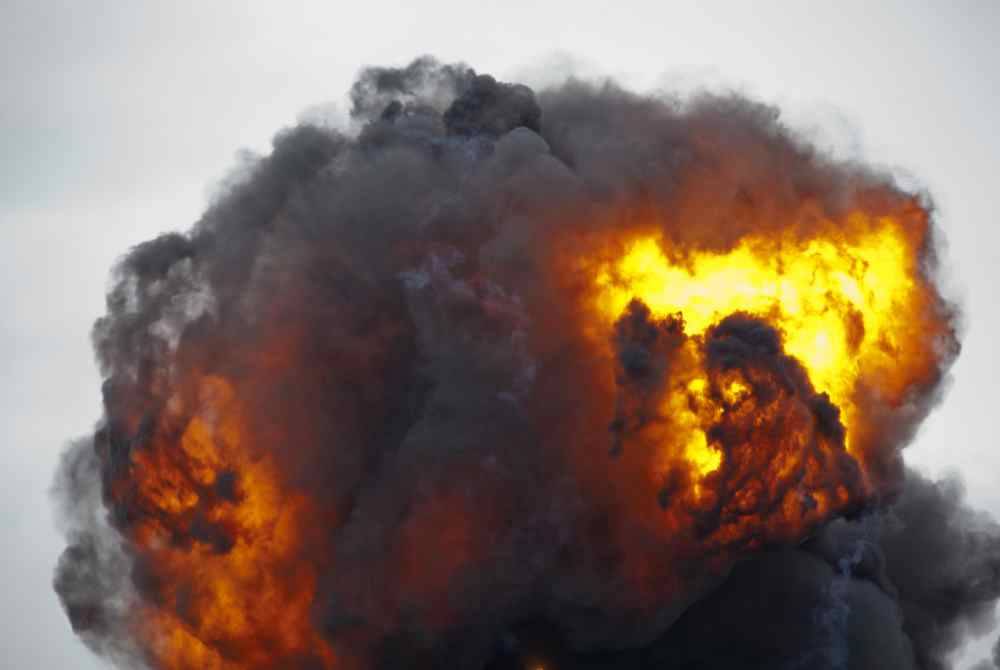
column 833, row 298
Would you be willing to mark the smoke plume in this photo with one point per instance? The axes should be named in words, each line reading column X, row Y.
column 493, row 378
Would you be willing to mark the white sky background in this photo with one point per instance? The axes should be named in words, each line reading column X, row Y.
column 116, row 119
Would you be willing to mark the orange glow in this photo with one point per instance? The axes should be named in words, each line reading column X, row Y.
column 236, row 595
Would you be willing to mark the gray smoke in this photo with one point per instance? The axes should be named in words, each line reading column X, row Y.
column 944, row 560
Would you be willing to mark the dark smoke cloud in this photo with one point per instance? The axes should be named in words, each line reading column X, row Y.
column 422, row 359
column 898, row 590
column 944, row 560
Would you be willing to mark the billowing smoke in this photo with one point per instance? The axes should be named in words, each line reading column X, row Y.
column 898, row 589
column 491, row 379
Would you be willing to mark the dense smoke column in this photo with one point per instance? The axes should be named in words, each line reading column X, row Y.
column 366, row 413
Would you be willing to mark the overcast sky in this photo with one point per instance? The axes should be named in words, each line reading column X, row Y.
column 116, row 119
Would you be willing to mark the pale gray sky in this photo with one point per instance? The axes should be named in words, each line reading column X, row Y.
column 116, row 118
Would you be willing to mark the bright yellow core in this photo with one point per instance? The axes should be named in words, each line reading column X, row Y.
column 834, row 299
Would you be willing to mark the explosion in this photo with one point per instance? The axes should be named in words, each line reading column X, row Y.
column 497, row 380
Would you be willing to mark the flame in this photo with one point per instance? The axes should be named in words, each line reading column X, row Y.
column 845, row 300
column 221, row 540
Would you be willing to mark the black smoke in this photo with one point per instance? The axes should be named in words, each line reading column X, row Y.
column 421, row 348
column 895, row 590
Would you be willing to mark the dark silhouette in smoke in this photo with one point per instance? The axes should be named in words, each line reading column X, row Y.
column 384, row 319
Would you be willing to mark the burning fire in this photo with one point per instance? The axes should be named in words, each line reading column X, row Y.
column 847, row 300
column 366, row 409
column 220, row 542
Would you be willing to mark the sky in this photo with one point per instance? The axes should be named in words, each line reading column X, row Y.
column 118, row 120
